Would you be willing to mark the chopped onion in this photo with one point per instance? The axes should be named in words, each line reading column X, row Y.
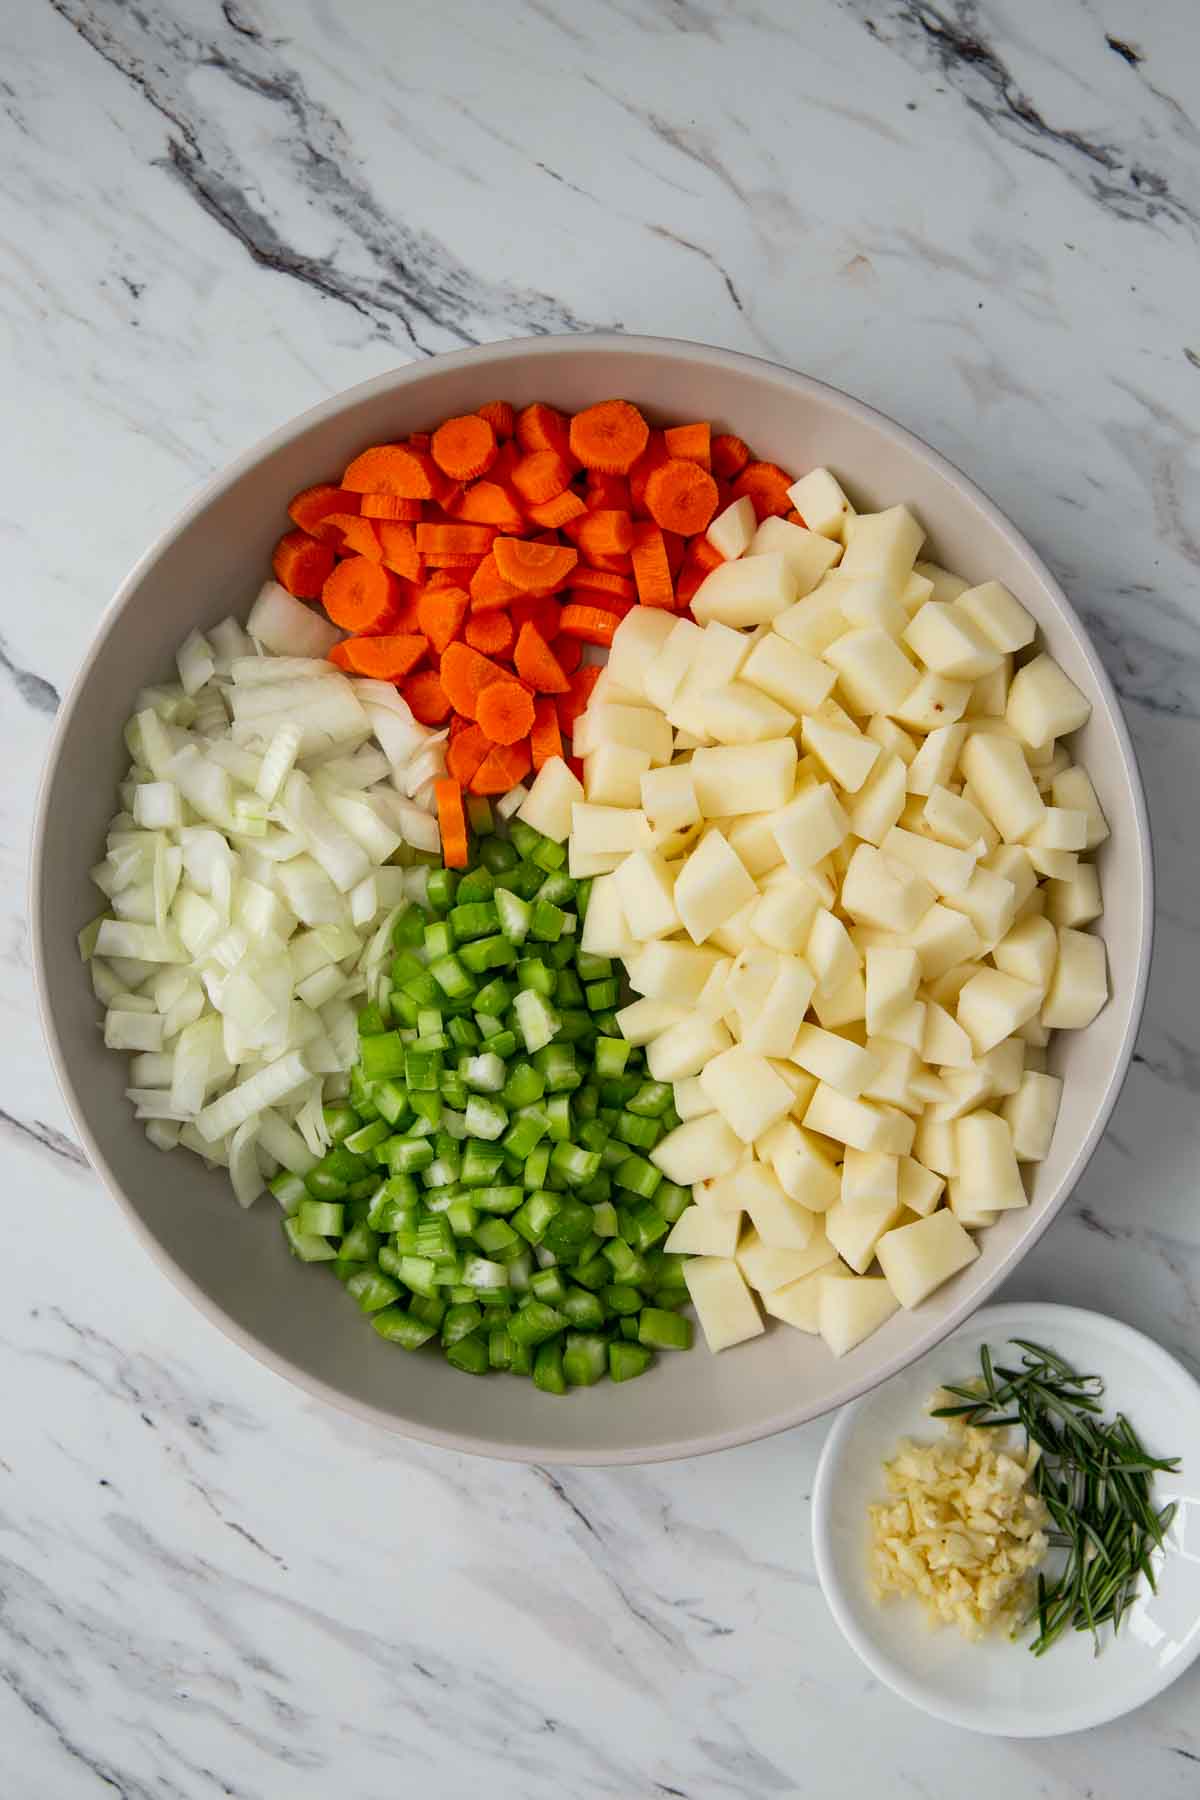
column 195, row 662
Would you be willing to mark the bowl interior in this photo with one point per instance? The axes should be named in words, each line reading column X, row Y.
column 235, row 1264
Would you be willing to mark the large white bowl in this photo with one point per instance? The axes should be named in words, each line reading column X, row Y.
column 234, row 1265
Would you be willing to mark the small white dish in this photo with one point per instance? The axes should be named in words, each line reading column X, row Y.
column 997, row 1686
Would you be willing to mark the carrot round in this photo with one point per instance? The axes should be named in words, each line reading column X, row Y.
column 467, row 749
column 568, row 654
column 465, row 674
column 597, row 598
column 452, row 822
column 545, row 740
column 312, row 505
column 398, row 548
column 388, row 658
column 500, row 416
column 537, row 663
column 503, row 767
column 394, row 469
column 729, row 455
column 464, row 447
column 591, row 624
column 418, row 440
column 603, row 581
column 533, row 566
column 541, row 427
column 691, row 442
column 608, row 493
column 505, row 711
column 491, row 633
column 541, row 610
column 540, row 475
column 356, row 537
column 302, row 564
column 454, row 540
column 651, row 570
column 441, row 612
column 767, row 485
column 426, row 697
column 560, row 511
column 388, row 506
column 360, row 595
column 700, row 559
column 606, row 532
column 680, row 496
column 609, row 437
column 488, row 587
column 490, row 503
column 573, row 704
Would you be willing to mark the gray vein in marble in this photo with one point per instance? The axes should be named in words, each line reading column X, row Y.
column 45, row 1137
column 951, row 41
column 33, row 689
column 412, row 278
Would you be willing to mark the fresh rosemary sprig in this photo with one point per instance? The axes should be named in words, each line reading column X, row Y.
column 1093, row 1477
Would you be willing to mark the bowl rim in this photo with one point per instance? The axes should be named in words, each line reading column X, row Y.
column 495, row 355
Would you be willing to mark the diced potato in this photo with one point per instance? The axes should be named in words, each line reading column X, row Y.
column 873, row 672
column 808, row 554
column 668, row 798
column 1072, row 787
column 768, row 1267
column 988, row 1178
column 612, row 775
column 1028, row 951
column 1044, row 703
column 854, row 1233
column 868, row 600
column 803, row 1167
column 1002, row 785
column 935, row 1145
column 850, row 1310
column 788, row 675
column 1032, row 1113
column 698, row 1150
column 676, row 971
column 821, row 503
column 691, row 1101
column 712, row 885
column 750, row 591
column 670, row 666
column 645, row 1019
column 998, row 614
column 989, row 693
column 830, row 953
column 897, row 1068
column 965, row 1090
column 942, row 939
column 783, row 917
column 608, row 829
column 751, row 836
column 1079, row 985
column 1075, row 901
column 1059, row 828
column 581, row 863
column 740, row 714
column 947, row 870
column 878, row 891
column 798, row 1303
column 893, row 976
column 636, row 727
column 814, row 622
column 877, row 805
column 892, row 737
column 917, row 590
column 957, row 821
column 918, row 1258
column 637, row 641
column 844, row 1065
column 946, row 587
column 714, row 999
column 919, row 1189
column 993, row 1005
column 646, row 886
column 934, row 701
column 724, row 1304
column 936, row 759
column 989, row 902
column 884, row 543
column 547, row 806
column 772, row 1031
column 1004, row 1065
column 754, row 970
column 732, row 531
column 744, row 778
column 809, row 827
column 847, row 757
column 605, row 929
column 781, row 1222
column 684, row 1048
column 950, row 643
column 844, row 1005
column 945, row 1044
column 1058, row 865
column 870, row 1180
column 858, row 1123
column 699, row 1232
column 746, row 1091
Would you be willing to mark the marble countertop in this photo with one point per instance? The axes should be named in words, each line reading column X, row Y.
column 982, row 219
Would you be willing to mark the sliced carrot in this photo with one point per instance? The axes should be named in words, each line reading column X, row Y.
column 692, row 443
column 602, row 581
column 302, row 564
column 394, row 469
column 388, row 658
column 651, row 570
column 490, row 503
column 605, row 532
column 609, row 437
column 491, row 633
column 540, row 610
column 545, row 740
column 729, row 455
column 453, row 559
column 312, row 505
column 488, row 587
column 503, row 767
column 655, row 453
column 452, row 822
column 540, row 475
column 575, row 764
column 558, row 512
column 357, row 536
column 533, row 566
column 700, row 559
column 591, row 624
column 418, row 440
column 608, row 493
column 500, row 416
column 406, row 616
column 389, row 506
column 767, row 485
column 573, row 704
column 540, row 427
column 537, row 663
column 360, row 595
column 465, row 675
column 398, row 549
column 596, row 597
column 441, row 612
column 454, row 540
column 426, row 697
column 680, row 496
column 796, row 518
column 467, row 749
column 568, row 654
column 505, row 711
column 674, row 545
column 507, row 458
column 464, row 447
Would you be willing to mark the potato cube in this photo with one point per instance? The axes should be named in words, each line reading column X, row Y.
column 646, row 886
column 918, row 1258
column 873, row 672
column 858, row 1123
column 855, row 1233
column 1079, row 985
column 813, row 623
column 847, row 757
column 737, row 713
column 884, row 543
column 712, row 885
column 1032, row 1113
column 1002, row 785
column 699, row 1232
column 698, row 1150
column 989, row 902
column 897, row 1068
column 821, row 503
column 605, row 929
column 671, row 971
column 724, row 1304
column 1058, row 865
column 731, row 531
column 1028, row 951
column 956, row 821
column 547, row 805
column 714, row 1000
column 798, row 1303
column 644, row 1019
column 769, row 1268
column 936, row 759
column 744, row 778
column 608, row 829
column 993, row 1005
column 670, row 666
column 945, row 1044
column 988, row 1177
column 788, row 675
column 947, row 870
column 582, row 864
column 849, row 1310
column 870, row 1180
column 893, row 976
column 879, row 891
column 784, row 914
column 843, row 1005
column 808, row 554
column 950, row 643
column 945, row 586
column 771, row 1031
column 874, row 809
column 1072, row 787
column 746, row 1091
column 1044, row 703
column 998, row 614
column 1059, row 828
column 844, row 1065
column 636, row 727
column 779, row 1220
column 935, row 1145
column 612, row 775
column 917, row 590
column 637, row 641
column 808, row 828
column 750, row 591
column 1003, row 1066
column 934, row 701
column 830, row 953
column 804, row 1168
column 989, row 693
column 942, row 939
column 1075, row 901
column 685, row 1047
column 919, row 1189
column 892, row 737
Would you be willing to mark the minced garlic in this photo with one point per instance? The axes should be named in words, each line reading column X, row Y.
column 963, row 1530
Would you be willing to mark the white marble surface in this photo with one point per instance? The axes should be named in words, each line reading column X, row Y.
column 982, row 218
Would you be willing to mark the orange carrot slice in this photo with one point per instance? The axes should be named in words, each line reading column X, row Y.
column 398, row 549
column 540, row 610
column 465, row 675
column 464, row 447
column 540, row 475
column 394, row 469
column 691, row 442
column 602, row 581
column 488, row 588
column 573, row 704
column 505, row 711
column 490, row 503
column 467, row 749
column 360, row 595
column 605, row 532
column 609, row 437
column 500, row 416
column 540, row 427
column 568, row 654
column 426, row 697
column 554, row 514
column 537, row 663
column 545, row 740
column 651, row 570
column 591, row 624
column 454, row 540
column 312, row 505
column 302, row 564
column 729, row 455
column 503, row 767
column 491, row 633
column 388, row 658
column 441, row 612
column 452, row 822
column 654, row 454
column 608, row 493
column 680, row 496
column 767, row 485
column 700, row 559
column 388, row 506
column 533, row 566
column 357, row 536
